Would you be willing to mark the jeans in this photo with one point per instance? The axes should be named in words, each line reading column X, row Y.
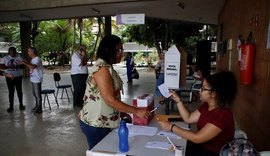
column 79, row 85
column 159, row 81
column 36, row 88
column 13, row 83
column 94, row 134
column 129, row 72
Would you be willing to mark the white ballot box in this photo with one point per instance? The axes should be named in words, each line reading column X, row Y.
column 172, row 68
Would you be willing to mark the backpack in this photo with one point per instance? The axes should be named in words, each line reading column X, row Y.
column 238, row 147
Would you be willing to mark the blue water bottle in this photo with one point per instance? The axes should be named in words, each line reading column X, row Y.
column 123, row 137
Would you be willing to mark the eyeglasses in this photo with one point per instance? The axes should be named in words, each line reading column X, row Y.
column 205, row 89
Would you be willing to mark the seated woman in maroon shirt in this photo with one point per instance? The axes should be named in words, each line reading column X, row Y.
column 214, row 119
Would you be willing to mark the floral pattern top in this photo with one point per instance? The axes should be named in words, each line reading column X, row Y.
column 95, row 111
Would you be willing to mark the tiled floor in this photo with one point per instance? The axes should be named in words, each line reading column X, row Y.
column 55, row 132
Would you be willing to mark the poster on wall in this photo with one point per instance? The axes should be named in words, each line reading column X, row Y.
column 268, row 36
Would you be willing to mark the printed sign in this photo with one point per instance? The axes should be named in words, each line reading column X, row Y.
column 172, row 68
column 123, row 19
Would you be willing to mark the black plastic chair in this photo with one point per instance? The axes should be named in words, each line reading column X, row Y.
column 46, row 92
column 57, row 79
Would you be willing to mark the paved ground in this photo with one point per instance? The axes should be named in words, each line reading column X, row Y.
column 55, row 132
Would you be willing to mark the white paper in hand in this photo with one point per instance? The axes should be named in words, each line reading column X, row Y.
column 164, row 90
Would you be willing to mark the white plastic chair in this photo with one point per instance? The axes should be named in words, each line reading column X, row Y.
column 265, row 153
column 196, row 86
column 240, row 134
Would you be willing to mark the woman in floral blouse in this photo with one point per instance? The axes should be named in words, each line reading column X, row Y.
column 102, row 104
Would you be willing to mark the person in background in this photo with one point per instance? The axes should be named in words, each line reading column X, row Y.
column 214, row 119
column 36, row 77
column 12, row 66
column 159, row 70
column 130, row 66
column 100, row 113
column 192, row 69
column 199, row 75
column 79, row 73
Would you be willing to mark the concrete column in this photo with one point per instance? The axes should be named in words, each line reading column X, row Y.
column 108, row 25
column 25, row 31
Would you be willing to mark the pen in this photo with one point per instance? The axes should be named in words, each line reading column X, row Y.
column 155, row 108
column 171, row 142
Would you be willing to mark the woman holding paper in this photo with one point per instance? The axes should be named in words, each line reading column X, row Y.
column 100, row 113
column 214, row 119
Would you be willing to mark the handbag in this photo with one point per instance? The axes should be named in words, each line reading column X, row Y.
column 135, row 74
column 238, row 147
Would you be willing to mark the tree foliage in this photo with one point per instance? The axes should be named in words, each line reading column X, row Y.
column 162, row 34
column 10, row 31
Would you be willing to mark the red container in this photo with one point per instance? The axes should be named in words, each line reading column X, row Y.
column 145, row 101
column 247, row 63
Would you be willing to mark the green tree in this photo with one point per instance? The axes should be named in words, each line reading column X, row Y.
column 161, row 34
column 11, row 33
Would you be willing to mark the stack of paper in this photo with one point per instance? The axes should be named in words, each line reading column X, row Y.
column 158, row 144
column 140, row 130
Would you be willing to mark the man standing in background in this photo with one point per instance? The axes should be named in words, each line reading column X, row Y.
column 79, row 74
column 36, row 77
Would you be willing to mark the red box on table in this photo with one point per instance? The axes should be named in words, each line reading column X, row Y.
column 145, row 101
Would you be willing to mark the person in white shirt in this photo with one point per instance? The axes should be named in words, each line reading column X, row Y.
column 36, row 77
column 79, row 74
column 12, row 66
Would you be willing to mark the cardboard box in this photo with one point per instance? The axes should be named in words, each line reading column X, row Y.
column 145, row 101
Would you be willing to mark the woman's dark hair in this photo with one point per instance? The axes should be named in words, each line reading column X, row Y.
column 107, row 48
column 12, row 49
column 82, row 47
column 34, row 50
column 225, row 85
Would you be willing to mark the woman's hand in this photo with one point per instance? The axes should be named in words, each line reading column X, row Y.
column 165, row 125
column 23, row 62
column 174, row 96
column 9, row 76
column 142, row 113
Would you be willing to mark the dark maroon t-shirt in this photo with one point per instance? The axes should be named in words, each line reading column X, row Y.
column 223, row 119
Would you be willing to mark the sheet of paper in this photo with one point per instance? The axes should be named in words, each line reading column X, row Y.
column 158, row 144
column 168, row 134
column 141, row 130
column 134, row 130
column 164, row 90
column 103, row 153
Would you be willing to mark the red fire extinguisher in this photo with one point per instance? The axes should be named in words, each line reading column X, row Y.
column 247, row 63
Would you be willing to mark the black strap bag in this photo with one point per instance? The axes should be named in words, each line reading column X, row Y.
column 135, row 74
